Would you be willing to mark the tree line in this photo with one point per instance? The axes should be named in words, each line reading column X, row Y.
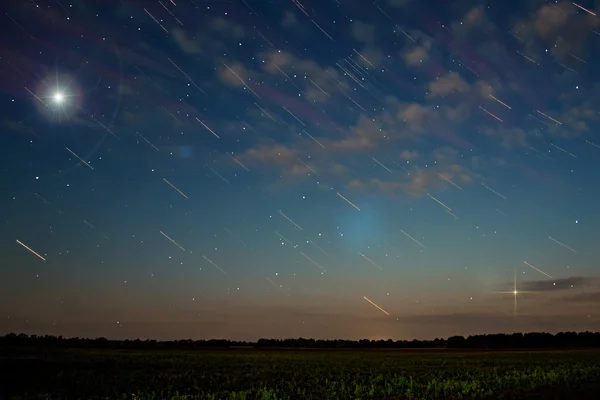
column 534, row 340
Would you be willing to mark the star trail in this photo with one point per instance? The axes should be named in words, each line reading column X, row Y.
column 327, row 169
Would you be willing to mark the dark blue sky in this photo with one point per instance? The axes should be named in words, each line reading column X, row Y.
column 252, row 169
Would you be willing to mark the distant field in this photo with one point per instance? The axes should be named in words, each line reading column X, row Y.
column 290, row 374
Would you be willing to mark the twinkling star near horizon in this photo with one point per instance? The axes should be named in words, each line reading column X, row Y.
column 329, row 170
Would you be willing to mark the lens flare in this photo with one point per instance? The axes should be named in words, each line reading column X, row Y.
column 58, row 97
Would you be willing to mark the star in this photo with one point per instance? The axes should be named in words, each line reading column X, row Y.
column 58, row 97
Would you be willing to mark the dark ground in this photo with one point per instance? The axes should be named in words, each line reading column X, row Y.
column 298, row 374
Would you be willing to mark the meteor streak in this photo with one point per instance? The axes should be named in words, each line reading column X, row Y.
column 277, row 286
column 562, row 244
column 413, row 239
column 383, row 166
column 315, row 140
column 208, row 129
column 549, row 117
column 187, row 76
column 79, row 158
column 379, row 308
column 173, row 186
column 171, row 240
column 30, row 249
column 348, row 201
column 155, row 20
column 288, row 218
column 439, row 202
column 490, row 114
column 449, row 181
column 537, row 269
column 493, row 191
column 214, row 265
column 237, row 161
column 369, row 260
column 312, row 261
column 504, row 104
column 563, row 150
column 585, row 9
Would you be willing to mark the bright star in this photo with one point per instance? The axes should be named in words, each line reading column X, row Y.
column 58, row 97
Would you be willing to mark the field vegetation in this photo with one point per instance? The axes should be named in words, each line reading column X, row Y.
column 238, row 374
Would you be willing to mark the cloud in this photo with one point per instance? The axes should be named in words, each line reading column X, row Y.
column 549, row 18
column 365, row 135
column 236, row 75
column 444, row 173
column 280, row 158
column 439, row 177
column 563, row 24
column 207, row 40
column 399, row 122
column 474, row 323
column 588, row 297
column 148, row 58
column 227, row 28
column 186, row 44
column 409, row 155
column 416, row 55
column 419, row 50
column 557, row 284
column 509, row 138
column 289, row 164
column 451, row 99
column 320, row 83
column 418, row 117
column 275, row 154
column 475, row 21
column 364, row 33
column 373, row 57
column 17, row 127
column 448, row 84
column 476, row 17
column 575, row 120
column 414, row 114
column 577, row 112
column 458, row 323
column 289, row 20
column 369, row 55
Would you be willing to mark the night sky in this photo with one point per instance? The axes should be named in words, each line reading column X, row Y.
column 315, row 168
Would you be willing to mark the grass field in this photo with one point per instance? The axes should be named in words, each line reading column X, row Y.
column 298, row 374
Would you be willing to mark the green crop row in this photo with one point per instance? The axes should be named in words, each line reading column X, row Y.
column 318, row 375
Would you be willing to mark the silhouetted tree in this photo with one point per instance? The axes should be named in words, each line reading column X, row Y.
column 533, row 340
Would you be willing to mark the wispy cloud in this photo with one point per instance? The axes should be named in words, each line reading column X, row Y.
column 588, row 297
column 415, row 56
column 187, row 44
column 562, row 23
column 577, row 282
column 448, row 84
column 289, row 20
column 475, row 21
column 478, row 92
